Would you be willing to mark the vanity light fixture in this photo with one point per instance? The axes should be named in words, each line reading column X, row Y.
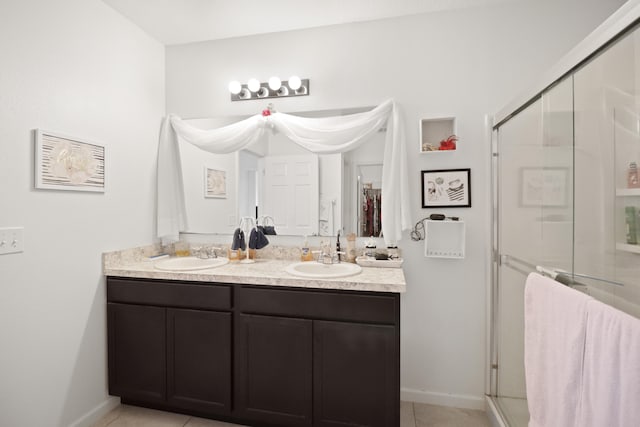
column 274, row 88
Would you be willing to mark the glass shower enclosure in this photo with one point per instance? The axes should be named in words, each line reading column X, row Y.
column 564, row 199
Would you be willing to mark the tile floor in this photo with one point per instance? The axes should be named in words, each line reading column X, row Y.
column 411, row 415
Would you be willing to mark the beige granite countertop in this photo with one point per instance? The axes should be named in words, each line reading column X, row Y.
column 271, row 272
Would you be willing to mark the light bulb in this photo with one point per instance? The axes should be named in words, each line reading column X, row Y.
column 235, row 87
column 244, row 94
column 253, row 85
column 295, row 82
column 274, row 83
column 283, row 91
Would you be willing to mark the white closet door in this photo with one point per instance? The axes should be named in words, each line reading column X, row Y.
column 291, row 192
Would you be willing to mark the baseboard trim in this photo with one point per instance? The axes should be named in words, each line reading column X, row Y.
column 94, row 415
column 494, row 415
column 443, row 399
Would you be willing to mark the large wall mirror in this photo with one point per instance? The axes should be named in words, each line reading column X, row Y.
column 283, row 184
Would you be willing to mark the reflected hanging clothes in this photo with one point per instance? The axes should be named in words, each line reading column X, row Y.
column 371, row 210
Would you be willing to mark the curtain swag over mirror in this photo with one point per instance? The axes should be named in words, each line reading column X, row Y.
column 326, row 135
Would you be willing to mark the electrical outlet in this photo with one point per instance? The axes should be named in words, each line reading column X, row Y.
column 11, row 240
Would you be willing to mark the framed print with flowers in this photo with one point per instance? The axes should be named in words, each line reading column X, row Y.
column 68, row 163
column 215, row 183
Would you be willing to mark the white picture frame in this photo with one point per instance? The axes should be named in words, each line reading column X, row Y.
column 215, row 183
column 68, row 163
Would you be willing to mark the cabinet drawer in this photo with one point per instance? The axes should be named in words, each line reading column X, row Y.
column 169, row 294
column 362, row 307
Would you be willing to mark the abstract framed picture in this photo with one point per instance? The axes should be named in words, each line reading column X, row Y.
column 446, row 188
column 68, row 163
column 544, row 187
column 215, row 183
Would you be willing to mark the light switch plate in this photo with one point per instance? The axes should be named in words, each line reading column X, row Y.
column 11, row 240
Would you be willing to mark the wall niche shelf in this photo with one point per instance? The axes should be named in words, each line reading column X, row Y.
column 434, row 130
column 444, row 239
column 627, row 192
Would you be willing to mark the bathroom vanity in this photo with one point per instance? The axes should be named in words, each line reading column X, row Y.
column 254, row 345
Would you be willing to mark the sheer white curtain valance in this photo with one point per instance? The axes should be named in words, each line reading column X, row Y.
column 319, row 135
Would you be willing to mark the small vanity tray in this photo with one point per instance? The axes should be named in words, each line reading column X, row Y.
column 366, row 261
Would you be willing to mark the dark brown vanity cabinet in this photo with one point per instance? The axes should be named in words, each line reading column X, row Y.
column 277, row 356
column 317, row 358
column 169, row 344
column 274, row 369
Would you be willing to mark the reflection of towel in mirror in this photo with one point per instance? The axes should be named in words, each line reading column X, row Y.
column 325, row 216
column 257, row 239
column 268, row 230
column 238, row 240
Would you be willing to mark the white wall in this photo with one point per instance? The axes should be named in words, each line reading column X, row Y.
column 79, row 68
column 465, row 64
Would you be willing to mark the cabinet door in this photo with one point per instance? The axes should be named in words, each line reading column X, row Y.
column 137, row 352
column 199, row 360
column 356, row 375
column 274, row 370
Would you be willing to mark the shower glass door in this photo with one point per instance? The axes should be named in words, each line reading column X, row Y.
column 534, row 188
column 565, row 199
column 607, row 223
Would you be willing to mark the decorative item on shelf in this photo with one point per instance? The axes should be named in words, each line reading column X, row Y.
column 448, row 143
column 631, row 225
column 274, row 88
column 633, row 180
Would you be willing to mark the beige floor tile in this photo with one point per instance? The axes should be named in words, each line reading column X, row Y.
column 133, row 416
column 442, row 416
column 203, row 422
column 406, row 415
column 109, row 417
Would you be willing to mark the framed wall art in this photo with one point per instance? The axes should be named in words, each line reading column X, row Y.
column 544, row 187
column 446, row 188
column 68, row 163
column 215, row 183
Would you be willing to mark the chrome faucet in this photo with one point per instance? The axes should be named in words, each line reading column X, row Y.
column 205, row 252
column 326, row 257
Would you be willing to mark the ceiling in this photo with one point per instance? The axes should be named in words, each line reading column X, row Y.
column 187, row 21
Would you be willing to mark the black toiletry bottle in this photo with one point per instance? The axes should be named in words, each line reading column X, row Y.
column 338, row 246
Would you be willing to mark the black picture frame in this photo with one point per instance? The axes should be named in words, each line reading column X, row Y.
column 446, row 188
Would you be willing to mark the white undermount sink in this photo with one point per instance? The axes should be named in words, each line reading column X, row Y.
column 317, row 270
column 189, row 263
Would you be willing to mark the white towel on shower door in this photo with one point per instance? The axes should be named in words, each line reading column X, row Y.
column 555, row 323
column 611, row 384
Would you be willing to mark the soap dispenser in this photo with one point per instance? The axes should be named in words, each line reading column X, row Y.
column 305, row 252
